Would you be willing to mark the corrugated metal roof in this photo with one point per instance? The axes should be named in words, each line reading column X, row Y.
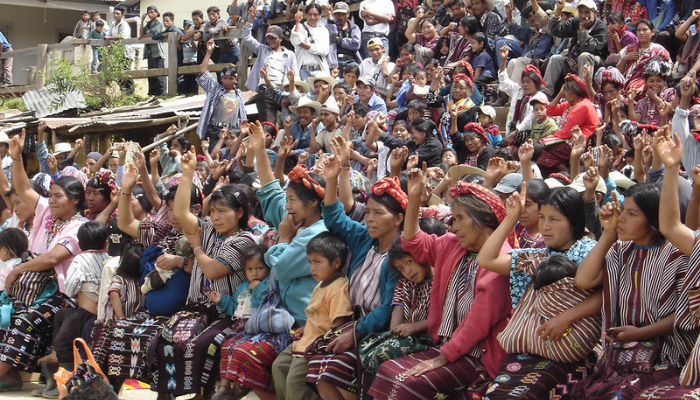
column 41, row 100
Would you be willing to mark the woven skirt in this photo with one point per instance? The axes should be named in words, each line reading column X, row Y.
column 465, row 378
column 29, row 335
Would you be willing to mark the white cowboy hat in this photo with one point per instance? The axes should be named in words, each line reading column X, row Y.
column 305, row 102
column 62, row 147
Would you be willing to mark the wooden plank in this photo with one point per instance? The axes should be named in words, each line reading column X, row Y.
column 19, row 53
column 16, row 90
column 172, row 64
column 186, row 70
column 41, row 60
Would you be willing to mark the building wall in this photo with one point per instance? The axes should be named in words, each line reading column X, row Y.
column 46, row 26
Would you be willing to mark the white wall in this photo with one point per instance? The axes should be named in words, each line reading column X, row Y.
column 46, row 26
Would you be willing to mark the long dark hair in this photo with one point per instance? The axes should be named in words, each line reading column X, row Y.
column 130, row 263
column 647, row 196
column 424, row 125
column 570, row 203
column 74, row 190
column 231, row 196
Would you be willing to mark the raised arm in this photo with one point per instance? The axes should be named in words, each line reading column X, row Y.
column 410, row 35
column 590, row 272
column 670, row 151
column 257, row 143
column 204, row 67
column 187, row 220
column 416, row 185
column 125, row 216
column 20, row 180
column 490, row 256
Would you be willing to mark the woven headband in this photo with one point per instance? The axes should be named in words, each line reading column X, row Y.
column 392, row 187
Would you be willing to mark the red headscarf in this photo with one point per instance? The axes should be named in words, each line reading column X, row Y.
column 561, row 177
column 463, row 77
column 579, row 82
column 468, row 67
column 392, row 187
column 487, row 196
column 474, row 127
column 532, row 69
column 300, row 174
column 272, row 125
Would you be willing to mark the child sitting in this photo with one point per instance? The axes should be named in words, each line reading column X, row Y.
column 13, row 243
column 420, row 84
column 82, row 283
column 409, row 320
column 125, row 297
column 329, row 307
column 486, row 116
column 543, row 125
column 241, row 305
column 483, row 64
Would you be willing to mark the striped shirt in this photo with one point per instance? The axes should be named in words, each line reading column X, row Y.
column 227, row 250
column 458, row 300
column 688, row 316
column 86, row 268
column 642, row 287
column 414, row 298
column 129, row 295
column 364, row 282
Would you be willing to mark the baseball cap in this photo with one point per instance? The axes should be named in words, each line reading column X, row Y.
column 367, row 80
column 375, row 42
column 581, row 187
column 509, row 183
column 341, row 7
column 487, row 110
column 589, row 4
column 539, row 97
column 275, row 31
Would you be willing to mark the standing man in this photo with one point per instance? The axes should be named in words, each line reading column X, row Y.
column 172, row 29
column 186, row 83
column 277, row 61
column 223, row 104
column 153, row 52
column 6, row 64
column 120, row 29
column 345, row 39
column 378, row 16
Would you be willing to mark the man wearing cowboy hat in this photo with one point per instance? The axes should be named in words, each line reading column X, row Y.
column 345, row 38
column 588, row 38
column 223, row 104
column 302, row 128
column 277, row 61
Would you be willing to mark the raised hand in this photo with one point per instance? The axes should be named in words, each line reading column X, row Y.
column 331, row 167
column 130, row 177
column 503, row 52
column 341, row 148
column 416, row 182
column 412, row 161
column 515, row 204
column 668, row 146
column 590, row 179
column 609, row 214
column 303, row 158
column 139, row 160
column 286, row 148
column 52, row 163
column 526, row 151
column 287, row 124
column 257, row 138
column 16, row 145
column 189, row 161
column 398, row 157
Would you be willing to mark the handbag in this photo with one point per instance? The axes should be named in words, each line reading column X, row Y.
column 376, row 348
column 271, row 316
column 320, row 345
column 85, row 375
column 29, row 286
column 184, row 326
column 620, row 365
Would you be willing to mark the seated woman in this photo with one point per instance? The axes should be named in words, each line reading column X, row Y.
column 219, row 243
column 476, row 142
column 469, row 305
column 628, row 260
column 634, row 57
column 371, row 280
column 426, row 41
column 459, row 99
column 577, row 110
column 654, row 107
column 685, row 385
column 531, row 339
column 422, row 142
column 54, row 242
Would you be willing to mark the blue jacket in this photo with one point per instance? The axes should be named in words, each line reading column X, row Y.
column 351, row 43
column 288, row 261
column 228, row 304
column 359, row 242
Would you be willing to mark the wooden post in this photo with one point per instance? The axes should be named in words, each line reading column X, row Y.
column 172, row 64
column 31, row 75
column 243, row 61
column 41, row 60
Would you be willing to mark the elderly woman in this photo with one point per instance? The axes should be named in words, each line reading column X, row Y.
column 577, row 110
column 54, row 242
column 477, row 144
column 609, row 99
column 469, row 305
column 459, row 99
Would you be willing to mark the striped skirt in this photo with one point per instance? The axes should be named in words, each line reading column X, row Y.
column 194, row 369
column 29, row 335
column 249, row 364
column 126, row 348
column 339, row 370
column 530, row 377
column 465, row 378
column 554, row 156
column 668, row 390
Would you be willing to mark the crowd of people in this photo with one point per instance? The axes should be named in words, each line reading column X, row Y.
column 374, row 233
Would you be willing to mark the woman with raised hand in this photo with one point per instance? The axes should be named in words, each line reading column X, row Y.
column 296, row 214
column 670, row 150
column 469, row 305
column 54, row 242
column 219, row 243
column 562, row 226
column 372, row 280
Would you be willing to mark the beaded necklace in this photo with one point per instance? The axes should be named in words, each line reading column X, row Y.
column 54, row 225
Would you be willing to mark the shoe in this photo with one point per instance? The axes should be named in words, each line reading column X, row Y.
column 38, row 392
column 11, row 386
column 224, row 393
column 50, row 394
